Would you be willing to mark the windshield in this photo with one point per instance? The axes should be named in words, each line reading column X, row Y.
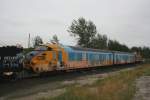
column 41, row 48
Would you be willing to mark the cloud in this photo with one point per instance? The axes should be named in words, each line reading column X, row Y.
column 125, row 20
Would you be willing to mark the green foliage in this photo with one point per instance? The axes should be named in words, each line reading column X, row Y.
column 144, row 51
column 37, row 41
column 27, row 50
column 55, row 39
column 87, row 36
column 99, row 42
column 119, row 86
column 84, row 30
column 116, row 46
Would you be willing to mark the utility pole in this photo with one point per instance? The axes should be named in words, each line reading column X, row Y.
column 29, row 41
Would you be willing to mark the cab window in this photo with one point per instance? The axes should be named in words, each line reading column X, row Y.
column 43, row 48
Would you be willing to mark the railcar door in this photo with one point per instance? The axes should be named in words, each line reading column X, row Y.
column 60, row 56
column 60, row 61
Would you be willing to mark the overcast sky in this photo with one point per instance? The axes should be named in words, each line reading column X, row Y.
column 127, row 21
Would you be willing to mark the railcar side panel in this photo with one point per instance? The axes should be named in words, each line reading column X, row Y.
column 76, row 60
column 123, row 58
column 84, row 59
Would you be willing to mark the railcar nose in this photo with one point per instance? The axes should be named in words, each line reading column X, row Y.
column 29, row 56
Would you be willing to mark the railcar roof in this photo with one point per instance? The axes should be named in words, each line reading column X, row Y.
column 88, row 49
column 69, row 48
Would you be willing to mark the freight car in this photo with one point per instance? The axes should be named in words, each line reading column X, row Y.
column 54, row 57
column 10, row 60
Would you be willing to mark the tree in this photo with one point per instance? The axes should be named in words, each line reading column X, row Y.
column 99, row 42
column 144, row 51
column 113, row 45
column 84, row 31
column 55, row 39
column 136, row 49
column 124, row 48
column 116, row 46
column 37, row 41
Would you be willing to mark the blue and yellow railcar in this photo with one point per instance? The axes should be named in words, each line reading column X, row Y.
column 85, row 57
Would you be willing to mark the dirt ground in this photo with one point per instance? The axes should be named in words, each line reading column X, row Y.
column 143, row 88
column 43, row 87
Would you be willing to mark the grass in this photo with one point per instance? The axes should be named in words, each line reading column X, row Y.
column 120, row 86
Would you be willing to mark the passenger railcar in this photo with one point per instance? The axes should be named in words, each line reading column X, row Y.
column 51, row 57
column 124, row 58
column 85, row 57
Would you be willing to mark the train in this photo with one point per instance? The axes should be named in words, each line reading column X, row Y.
column 56, row 57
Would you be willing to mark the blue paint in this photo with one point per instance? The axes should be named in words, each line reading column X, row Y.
column 101, row 56
column 60, row 56
column 71, row 56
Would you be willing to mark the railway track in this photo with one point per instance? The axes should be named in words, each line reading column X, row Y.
column 32, row 86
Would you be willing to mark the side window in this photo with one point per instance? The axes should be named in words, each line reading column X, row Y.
column 79, row 56
column 71, row 56
column 54, row 55
column 91, row 57
column 87, row 56
column 84, row 56
column 99, row 57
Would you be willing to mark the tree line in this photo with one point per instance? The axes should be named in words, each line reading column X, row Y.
column 37, row 40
